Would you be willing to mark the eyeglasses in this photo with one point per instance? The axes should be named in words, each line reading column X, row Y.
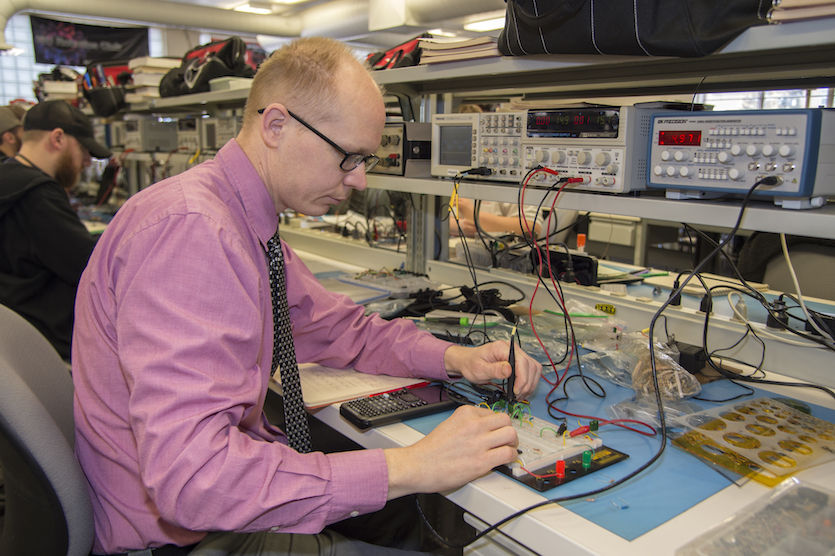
column 349, row 160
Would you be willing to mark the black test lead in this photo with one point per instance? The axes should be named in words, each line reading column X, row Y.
column 511, row 381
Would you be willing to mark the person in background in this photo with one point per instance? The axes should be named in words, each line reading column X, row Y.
column 495, row 217
column 11, row 133
column 175, row 337
column 44, row 247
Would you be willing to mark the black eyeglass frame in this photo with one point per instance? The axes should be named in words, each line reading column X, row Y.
column 350, row 161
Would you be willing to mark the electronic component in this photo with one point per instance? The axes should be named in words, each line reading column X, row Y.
column 404, row 150
column 188, row 134
column 117, row 134
column 491, row 141
column 549, row 455
column 218, row 131
column 406, row 403
column 716, row 153
column 580, row 268
column 150, row 135
column 604, row 146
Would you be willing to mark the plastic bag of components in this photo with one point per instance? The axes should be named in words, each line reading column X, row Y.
column 674, row 382
column 387, row 308
column 614, row 366
column 645, row 409
column 556, row 346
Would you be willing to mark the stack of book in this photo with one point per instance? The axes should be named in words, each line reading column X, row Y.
column 797, row 10
column 60, row 90
column 147, row 74
column 435, row 51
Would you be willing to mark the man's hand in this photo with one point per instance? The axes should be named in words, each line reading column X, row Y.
column 469, row 444
column 485, row 363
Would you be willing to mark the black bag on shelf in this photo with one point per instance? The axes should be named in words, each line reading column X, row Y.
column 687, row 28
column 226, row 58
column 106, row 101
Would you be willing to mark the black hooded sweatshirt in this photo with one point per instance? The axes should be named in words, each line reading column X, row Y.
column 44, row 248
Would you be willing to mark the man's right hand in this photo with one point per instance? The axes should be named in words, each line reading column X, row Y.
column 464, row 447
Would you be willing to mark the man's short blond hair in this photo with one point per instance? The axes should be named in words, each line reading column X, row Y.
column 303, row 76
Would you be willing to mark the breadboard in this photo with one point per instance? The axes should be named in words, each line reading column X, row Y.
column 540, row 448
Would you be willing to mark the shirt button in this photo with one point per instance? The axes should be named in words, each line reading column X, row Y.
column 355, row 513
column 274, row 529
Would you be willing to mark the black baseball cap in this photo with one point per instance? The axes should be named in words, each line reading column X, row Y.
column 53, row 114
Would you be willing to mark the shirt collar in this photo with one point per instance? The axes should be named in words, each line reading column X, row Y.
column 251, row 190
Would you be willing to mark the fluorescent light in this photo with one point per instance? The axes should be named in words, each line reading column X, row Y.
column 485, row 25
column 263, row 9
column 441, row 33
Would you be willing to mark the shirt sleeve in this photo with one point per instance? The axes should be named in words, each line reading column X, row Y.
column 190, row 333
column 332, row 330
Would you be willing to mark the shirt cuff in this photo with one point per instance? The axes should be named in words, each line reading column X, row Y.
column 360, row 483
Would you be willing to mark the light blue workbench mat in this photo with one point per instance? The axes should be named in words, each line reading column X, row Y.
column 672, row 485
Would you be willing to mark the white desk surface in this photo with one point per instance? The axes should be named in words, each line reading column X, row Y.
column 556, row 530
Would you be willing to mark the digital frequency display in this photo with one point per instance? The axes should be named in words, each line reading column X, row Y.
column 573, row 123
column 456, row 145
column 689, row 138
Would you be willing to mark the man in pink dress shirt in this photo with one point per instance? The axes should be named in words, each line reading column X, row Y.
column 173, row 342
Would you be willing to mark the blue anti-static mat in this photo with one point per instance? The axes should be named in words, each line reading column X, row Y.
column 675, row 483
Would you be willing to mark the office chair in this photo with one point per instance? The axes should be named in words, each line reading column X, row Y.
column 48, row 508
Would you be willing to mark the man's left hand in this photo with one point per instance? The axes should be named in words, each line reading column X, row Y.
column 489, row 361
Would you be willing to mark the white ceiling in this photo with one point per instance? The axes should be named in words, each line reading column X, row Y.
column 373, row 24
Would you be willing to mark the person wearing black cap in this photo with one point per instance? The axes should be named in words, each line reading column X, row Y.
column 11, row 133
column 44, row 247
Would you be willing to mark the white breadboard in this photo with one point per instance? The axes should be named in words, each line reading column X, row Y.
column 539, row 445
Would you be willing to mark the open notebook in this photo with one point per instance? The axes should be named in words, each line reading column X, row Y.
column 323, row 386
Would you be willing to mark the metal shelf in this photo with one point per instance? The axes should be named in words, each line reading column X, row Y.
column 797, row 54
column 761, row 216
column 233, row 98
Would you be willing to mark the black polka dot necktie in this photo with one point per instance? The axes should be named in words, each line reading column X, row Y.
column 284, row 353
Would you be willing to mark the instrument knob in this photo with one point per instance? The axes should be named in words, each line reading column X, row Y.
column 736, row 174
column 602, row 159
column 725, row 157
column 752, row 150
column 542, row 156
column 786, row 151
column 681, row 156
column 583, row 158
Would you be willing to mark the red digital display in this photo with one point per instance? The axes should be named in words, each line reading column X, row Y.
column 692, row 138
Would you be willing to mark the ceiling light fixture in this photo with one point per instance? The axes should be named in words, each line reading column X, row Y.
column 255, row 8
column 441, row 33
column 485, row 25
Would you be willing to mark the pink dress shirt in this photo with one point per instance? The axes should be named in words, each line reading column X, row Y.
column 171, row 363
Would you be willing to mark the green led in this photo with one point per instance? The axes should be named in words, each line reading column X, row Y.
column 587, row 459
column 593, row 425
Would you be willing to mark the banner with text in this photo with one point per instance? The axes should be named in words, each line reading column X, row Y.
column 75, row 44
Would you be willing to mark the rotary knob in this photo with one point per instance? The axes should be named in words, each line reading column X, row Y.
column 725, row 157
column 685, row 171
column 681, row 156
column 658, row 170
column 736, row 150
column 542, row 156
column 736, row 174
column 491, row 160
column 602, row 159
column 671, row 171
column 769, row 150
column 502, row 160
column 665, row 155
column 612, row 169
column 559, row 157
column 752, row 150
column 786, row 151
column 583, row 158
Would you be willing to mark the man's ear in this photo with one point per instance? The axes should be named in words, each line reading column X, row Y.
column 57, row 139
column 273, row 122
